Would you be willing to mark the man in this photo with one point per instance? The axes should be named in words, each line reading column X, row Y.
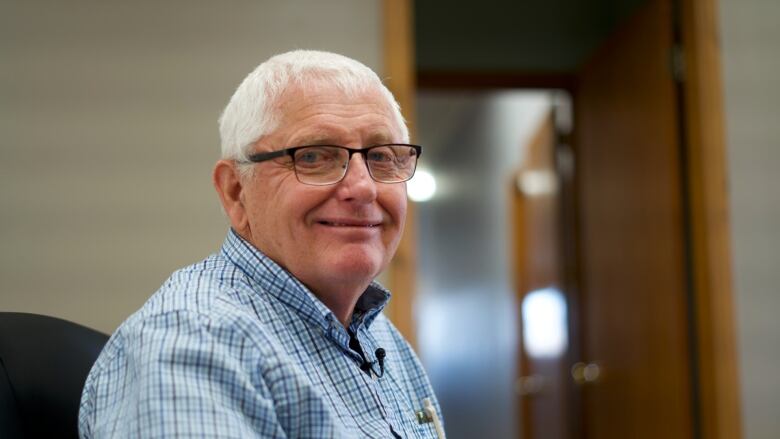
column 281, row 334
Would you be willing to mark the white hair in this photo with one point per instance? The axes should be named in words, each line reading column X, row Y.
column 253, row 111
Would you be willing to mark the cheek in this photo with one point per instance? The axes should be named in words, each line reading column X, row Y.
column 400, row 200
column 295, row 210
column 266, row 215
column 395, row 205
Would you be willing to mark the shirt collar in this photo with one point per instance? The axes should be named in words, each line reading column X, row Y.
column 288, row 290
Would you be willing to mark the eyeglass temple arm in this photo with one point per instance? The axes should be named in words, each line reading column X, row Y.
column 263, row 156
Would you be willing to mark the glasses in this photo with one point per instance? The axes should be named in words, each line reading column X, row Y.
column 322, row 165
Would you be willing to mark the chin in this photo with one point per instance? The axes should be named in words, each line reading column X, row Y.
column 357, row 266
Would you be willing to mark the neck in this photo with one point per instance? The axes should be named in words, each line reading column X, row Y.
column 341, row 301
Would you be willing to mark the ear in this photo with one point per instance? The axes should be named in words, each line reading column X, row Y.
column 228, row 184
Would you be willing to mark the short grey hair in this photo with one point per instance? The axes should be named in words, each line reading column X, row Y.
column 252, row 111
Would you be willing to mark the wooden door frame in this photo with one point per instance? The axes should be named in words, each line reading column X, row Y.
column 708, row 220
column 706, row 180
column 399, row 67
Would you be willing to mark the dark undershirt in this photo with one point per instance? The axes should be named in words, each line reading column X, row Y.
column 354, row 344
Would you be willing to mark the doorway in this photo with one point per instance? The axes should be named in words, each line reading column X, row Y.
column 469, row 297
column 650, row 346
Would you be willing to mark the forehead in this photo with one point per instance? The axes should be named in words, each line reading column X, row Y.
column 323, row 113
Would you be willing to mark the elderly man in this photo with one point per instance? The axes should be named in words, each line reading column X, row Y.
column 280, row 334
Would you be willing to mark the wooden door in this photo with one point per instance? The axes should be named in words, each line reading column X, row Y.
column 634, row 322
column 544, row 355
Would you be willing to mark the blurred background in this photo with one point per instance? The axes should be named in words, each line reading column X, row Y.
column 591, row 252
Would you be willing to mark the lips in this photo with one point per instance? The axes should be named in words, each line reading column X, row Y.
column 349, row 223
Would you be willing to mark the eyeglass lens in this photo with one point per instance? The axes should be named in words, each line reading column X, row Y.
column 328, row 164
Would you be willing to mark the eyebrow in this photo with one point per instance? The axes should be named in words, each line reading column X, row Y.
column 378, row 139
column 317, row 137
column 329, row 139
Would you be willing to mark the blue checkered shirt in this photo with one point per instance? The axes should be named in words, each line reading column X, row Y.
column 236, row 347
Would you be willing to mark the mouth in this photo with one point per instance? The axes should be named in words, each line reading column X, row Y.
column 343, row 223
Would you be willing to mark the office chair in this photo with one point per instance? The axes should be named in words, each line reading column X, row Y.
column 44, row 362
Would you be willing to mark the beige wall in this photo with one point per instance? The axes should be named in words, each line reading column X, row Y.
column 108, row 116
column 751, row 54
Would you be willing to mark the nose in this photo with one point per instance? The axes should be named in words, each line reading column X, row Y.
column 357, row 184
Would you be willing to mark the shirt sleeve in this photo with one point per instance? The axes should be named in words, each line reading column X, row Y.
column 175, row 375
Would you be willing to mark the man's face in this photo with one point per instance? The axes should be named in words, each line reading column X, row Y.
column 327, row 236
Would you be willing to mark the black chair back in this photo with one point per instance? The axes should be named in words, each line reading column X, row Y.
column 44, row 362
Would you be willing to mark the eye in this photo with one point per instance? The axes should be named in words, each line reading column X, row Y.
column 383, row 154
column 316, row 155
column 308, row 156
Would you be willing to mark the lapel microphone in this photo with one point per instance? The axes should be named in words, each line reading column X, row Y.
column 380, row 358
column 368, row 366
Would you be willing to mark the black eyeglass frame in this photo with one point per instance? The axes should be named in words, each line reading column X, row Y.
column 260, row 157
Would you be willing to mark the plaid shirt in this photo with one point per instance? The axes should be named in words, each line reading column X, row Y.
column 236, row 347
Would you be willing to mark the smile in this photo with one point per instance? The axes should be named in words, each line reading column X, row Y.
column 348, row 224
